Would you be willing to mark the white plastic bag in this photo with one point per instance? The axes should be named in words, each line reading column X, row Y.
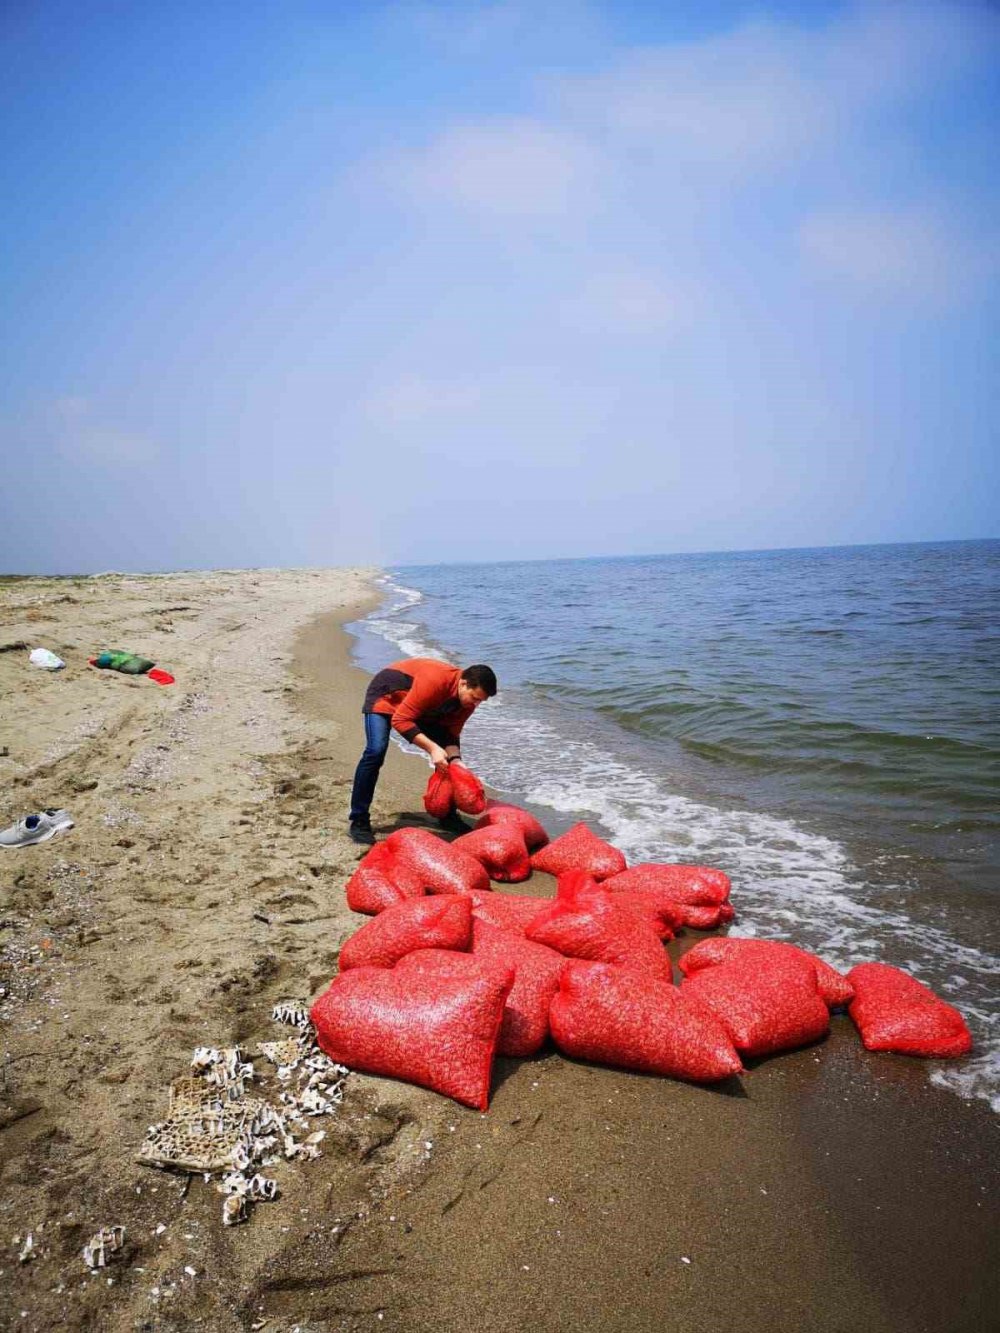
column 41, row 657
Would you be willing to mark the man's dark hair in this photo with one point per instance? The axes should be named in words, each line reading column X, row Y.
column 481, row 677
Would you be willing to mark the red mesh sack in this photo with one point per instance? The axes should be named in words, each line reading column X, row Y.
column 510, row 911
column 706, row 916
column 615, row 1017
column 832, row 985
column 434, row 1025
column 381, row 880
column 579, row 849
column 468, row 790
column 694, row 885
column 895, row 1012
column 763, row 1010
column 441, row 867
column 536, row 979
column 441, row 922
column 501, row 849
column 662, row 916
column 594, row 927
column 498, row 812
column 439, row 799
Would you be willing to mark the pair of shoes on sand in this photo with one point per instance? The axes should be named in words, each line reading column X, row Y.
column 36, row 828
column 360, row 830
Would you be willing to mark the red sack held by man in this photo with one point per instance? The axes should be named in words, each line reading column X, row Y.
column 594, row 928
column 895, row 1012
column 614, row 1017
column 536, row 980
column 831, row 984
column 381, row 880
column 442, row 867
column 509, row 911
column 434, row 1024
column 764, row 1009
column 439, row 798
column 694, row 885
column 441, row 922
column 579, row 849
column 499, row 812
column 501, row 849
column 470, row 797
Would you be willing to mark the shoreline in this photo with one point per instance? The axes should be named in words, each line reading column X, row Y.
column 833, row 1190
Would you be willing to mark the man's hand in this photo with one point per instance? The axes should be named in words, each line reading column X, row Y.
column 438, row 758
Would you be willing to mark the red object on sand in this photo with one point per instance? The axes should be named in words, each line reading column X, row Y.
column 441, row 922
column 501, row 849
column 381, row 880
column 510, row 911
column 693, row 885
column 469, row 795
column 662, row 916
column 442, row 867
column 610, row 1015
column 832, row 985
column 161, row 677
column 439, row 799
column 764, row 1009
column 498, row 812
column 579, row 849
column 593, row 927
column 536, row 980
column 895, row 1012
column 435, row 1024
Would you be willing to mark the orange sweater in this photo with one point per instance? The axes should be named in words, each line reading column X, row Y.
column 421, row 695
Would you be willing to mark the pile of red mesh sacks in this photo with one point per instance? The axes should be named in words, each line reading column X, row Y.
column 450, row 972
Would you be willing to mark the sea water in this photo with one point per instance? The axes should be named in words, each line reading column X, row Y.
column 821, row 724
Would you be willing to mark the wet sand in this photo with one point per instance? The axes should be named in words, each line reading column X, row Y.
column 825, row 1190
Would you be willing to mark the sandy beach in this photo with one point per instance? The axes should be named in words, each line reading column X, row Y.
column 203, row 882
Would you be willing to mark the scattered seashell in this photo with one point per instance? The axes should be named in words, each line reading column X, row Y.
column 103, row 1244
column 293, row 1012
column 235, row 1210
column 261, row 1188
column 27, row 1249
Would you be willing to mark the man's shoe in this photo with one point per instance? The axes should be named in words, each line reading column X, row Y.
column 361, row 834
column 36, row 828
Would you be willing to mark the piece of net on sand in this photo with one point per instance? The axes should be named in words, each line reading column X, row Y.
column 202, row 1131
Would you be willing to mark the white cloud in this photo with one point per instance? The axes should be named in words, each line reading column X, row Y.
column 742, row 101
column 749, row 102
column 622, row 298
column 512, row 167
column 908, row 253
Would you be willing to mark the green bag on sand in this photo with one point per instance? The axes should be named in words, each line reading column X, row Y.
column 130, row 663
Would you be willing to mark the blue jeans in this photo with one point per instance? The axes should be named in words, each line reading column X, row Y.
column 377, row 727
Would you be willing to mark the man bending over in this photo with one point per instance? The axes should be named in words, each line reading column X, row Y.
column 428, row 703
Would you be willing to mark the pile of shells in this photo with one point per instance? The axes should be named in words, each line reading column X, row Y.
column 215, row 1125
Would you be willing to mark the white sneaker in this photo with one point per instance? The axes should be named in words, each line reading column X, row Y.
column 36, row 828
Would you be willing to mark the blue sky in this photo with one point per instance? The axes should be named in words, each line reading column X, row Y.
column 319, row 284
